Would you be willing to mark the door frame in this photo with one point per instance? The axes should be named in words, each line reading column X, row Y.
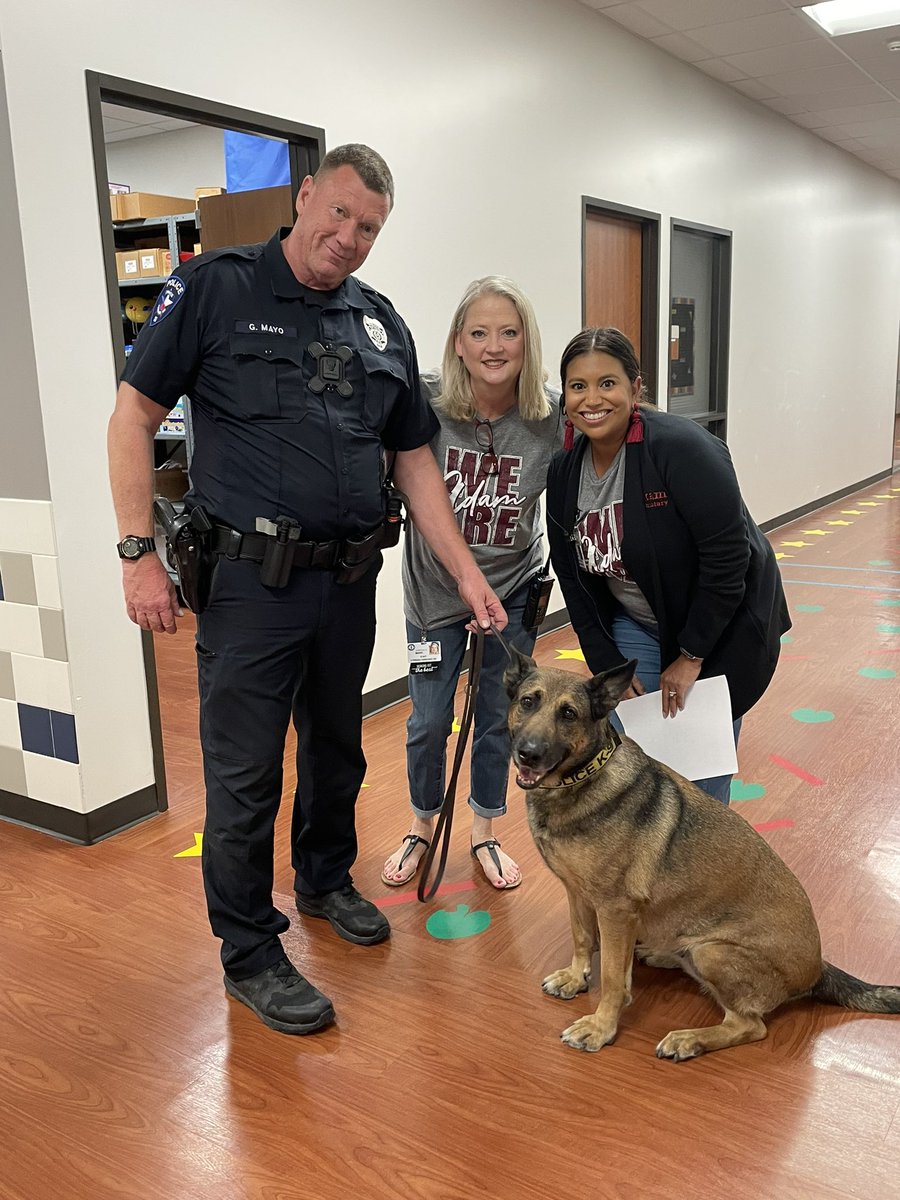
column 649, row 223
column 306, row 148
column 720, row 316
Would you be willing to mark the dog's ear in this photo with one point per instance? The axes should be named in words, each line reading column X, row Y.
column 605, row 689
column 520, row 667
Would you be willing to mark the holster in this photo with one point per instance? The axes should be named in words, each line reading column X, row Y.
column 357, row 553
column 187, row 551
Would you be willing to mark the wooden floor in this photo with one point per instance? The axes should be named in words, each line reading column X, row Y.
column 125, row 1071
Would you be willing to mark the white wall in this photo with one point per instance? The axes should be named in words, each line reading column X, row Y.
column 171, row 164
column 496, row 117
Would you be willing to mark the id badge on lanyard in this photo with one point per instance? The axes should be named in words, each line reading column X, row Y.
column 423, row 656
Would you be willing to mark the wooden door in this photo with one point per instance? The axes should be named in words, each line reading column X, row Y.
column 613, row 273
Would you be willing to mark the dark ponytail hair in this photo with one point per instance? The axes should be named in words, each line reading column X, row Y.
column 605, row 340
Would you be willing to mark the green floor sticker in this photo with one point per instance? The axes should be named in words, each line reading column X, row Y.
column 786, row 639
column 889, row 628
column 877, row 673
column 887, row 603
column 879, row 562
column 447, row 926
column 809, row 607
column 746, row 791
column 812, row 716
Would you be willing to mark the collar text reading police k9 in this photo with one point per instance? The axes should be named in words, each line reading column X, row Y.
column 330, row 363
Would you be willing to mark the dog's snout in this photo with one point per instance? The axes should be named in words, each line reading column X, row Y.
column 529, row 752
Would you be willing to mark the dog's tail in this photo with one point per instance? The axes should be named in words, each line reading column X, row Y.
column 835, row 986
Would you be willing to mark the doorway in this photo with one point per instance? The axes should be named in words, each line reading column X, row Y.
column 699, row 324
column 173, row 232
column 620, row 256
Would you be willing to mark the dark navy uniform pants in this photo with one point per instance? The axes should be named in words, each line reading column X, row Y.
column 266, row 656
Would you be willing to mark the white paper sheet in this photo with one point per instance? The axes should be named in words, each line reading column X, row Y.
column 698, row 742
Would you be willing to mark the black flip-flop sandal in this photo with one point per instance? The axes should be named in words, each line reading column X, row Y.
column 492, row 845
column 414, row 841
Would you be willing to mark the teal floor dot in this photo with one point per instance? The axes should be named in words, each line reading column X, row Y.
column 887, row 603
column 812, row 716
column 809, row 607
column 889, row 628
column 877, row 673
column 448, row 926
column 746, row 791
column 786, row 639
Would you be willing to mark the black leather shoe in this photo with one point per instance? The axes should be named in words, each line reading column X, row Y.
column 283, row 999
column 351, row 915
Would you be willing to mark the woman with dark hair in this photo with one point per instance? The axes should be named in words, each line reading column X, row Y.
column 499, row 430
column 656, row 554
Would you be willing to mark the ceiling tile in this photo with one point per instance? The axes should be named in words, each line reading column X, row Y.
column 871, row 129
column 796, row 83
column 865, row 93
column 692, row 14
column 719, row 69
column 636, row 20
column 682, row 47
column 754, row 89
column 857, row 112
column 799, row 56
column 134, row 116
column 754, row 33
column 784, row 106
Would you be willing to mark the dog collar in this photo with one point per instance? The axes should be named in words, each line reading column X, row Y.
column 597, row 763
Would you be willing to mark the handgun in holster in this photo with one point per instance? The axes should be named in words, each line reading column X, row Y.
column 187, row 542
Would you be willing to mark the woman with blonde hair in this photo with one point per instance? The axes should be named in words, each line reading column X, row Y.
column 499, row 429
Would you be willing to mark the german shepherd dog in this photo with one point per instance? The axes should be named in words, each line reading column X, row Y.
column 649, row 860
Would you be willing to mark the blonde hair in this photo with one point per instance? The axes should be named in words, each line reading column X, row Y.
column 456, row 399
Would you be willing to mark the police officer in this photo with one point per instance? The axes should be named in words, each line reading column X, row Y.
column 300, row 378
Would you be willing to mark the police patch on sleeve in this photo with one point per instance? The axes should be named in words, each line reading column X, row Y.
column 172, row 292
column 376, row 331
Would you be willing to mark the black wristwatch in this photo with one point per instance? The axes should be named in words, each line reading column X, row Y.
column 132, row 547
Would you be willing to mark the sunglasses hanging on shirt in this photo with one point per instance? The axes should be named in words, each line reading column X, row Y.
column 484, row 436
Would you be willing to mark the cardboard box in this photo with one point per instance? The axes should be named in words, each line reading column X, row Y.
column 127, row 264
column 171, row 482
column 154, row 262
column 133, row 206
column 210, row 191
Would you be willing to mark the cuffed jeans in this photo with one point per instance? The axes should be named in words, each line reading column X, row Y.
column 634, row 640
column 431, row 719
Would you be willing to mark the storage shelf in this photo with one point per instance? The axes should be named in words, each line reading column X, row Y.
column 144, row 280
column 147, row 222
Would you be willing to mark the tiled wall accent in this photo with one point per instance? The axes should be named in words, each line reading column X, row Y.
column 38, row 744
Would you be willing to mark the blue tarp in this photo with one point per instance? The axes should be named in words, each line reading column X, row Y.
column 254, row 162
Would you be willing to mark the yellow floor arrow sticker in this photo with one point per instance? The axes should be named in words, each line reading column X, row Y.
column 193, row 851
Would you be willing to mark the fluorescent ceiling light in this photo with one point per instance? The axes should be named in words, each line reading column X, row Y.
column 853, row 16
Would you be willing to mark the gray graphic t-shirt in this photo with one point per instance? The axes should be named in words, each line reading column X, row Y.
column 499, row 514
column 598, row 534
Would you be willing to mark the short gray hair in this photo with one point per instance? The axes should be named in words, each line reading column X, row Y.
column 456, row 399
column 366, row 162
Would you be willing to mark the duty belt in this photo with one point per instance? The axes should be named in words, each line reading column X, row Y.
column 233, row 544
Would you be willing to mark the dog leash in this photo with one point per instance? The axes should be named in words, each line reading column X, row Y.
column 445, row 818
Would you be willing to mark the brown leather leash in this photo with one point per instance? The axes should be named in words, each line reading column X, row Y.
column 445, row 817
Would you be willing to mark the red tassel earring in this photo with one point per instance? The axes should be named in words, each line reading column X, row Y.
column 569, row 439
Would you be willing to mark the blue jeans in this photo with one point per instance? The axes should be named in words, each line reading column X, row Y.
column 637, row 641
column 431, row 719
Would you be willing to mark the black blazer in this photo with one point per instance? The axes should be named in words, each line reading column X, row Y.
column 690, row 545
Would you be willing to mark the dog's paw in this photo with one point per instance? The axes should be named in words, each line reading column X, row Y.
column 588, row 1034
column 681, row 1045
column 565, row 983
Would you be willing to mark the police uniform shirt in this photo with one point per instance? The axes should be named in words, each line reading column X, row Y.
column 294, row 392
